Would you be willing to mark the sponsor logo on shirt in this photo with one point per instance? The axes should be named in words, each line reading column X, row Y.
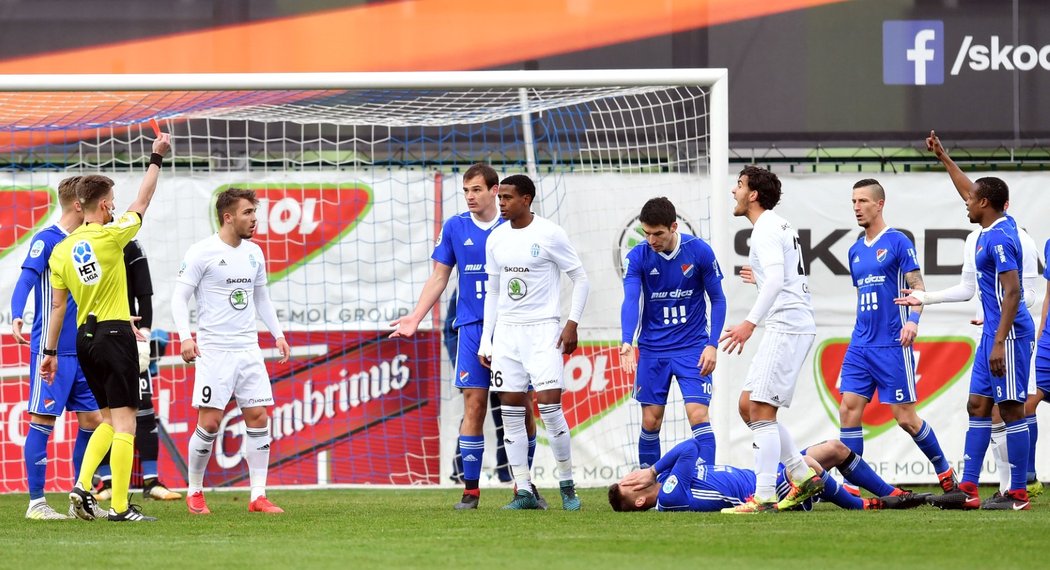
column 871, row 280
column 654, row 271
column 473, row 267
column 85, row 263
column 37, row 249
column 468, row 242
column 670, row 483
column 233, row 280
column 239, row 299
column 516, row 289
column 675, row 294
column 516, row 269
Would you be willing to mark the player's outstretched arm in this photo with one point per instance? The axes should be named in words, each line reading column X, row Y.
column 437, row 282
column 161, row 146
column 962, row 183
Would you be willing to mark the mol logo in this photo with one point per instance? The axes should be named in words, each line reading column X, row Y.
column 298, row 222
column 940, row 362
column 27, row 209
column 913, row 52
column 594, row 384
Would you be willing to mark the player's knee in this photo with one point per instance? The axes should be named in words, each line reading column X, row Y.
column 979, row 407
column 836, row 450
column 89, row 420
column 255, row 417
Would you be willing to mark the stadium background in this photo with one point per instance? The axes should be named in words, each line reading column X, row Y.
column 807, row 98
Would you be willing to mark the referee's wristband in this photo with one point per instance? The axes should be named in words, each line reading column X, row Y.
column 50, row 352
column 157, row 158
column 913, row 317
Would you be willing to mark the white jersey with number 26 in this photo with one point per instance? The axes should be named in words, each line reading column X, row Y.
column 774, row 241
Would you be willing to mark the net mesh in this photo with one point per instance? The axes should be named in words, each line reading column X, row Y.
column 353, row 186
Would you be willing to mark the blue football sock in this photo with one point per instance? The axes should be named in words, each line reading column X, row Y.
column 149, row 469
column 706, row 436
column 928, row 444
column 853, row 438
column 473, row 449
column 977, row 438
column 532, row 450
column 1033, row 436
column 859, row 473
column 35, row 454
column 648, row 448
column 103, row 471
column 837, row 495
column 79, row 447
column 1017, row 452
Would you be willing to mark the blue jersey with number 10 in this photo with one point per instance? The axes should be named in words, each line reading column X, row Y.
column 999, row 251
column 878, row 271
column 672, row 287
column 462, row 245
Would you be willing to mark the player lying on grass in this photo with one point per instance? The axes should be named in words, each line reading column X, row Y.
column 679, row 482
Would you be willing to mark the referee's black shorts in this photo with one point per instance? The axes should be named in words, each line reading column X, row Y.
column 110, row 361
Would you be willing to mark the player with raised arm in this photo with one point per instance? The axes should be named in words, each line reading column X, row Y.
column 226, row 273
column 881, row 263
column 69, row 390
column 89, row 265
column 462, row 245
column 668, row 276
column 783, row 301
column 683, row 481
column 1001, row 365
column 147, row 441
column 522, row 340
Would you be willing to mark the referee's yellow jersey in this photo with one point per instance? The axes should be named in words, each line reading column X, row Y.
column 90, row 264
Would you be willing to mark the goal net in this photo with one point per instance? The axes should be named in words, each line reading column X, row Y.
column 355, row 174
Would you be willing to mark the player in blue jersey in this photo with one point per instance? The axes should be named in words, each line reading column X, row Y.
column 1001, row 365
column 881, row 263
column 462, row 245
column 70, row 390
column 668, row 278
column 682, row 481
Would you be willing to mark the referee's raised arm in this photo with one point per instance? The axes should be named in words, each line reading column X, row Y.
column 161, row 146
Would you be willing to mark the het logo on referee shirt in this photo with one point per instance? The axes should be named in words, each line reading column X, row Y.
column 940, row 362
column 298, row 222
column 28, row 210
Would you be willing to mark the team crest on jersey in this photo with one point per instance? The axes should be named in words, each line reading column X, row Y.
column 239, row 299
column 670, row 483
column 516, row 289
column 85, row 263
column 251, row 260
column 880, row 255
column 49, row 403
column 687, row 270
column 37, row 249
column 535, row 250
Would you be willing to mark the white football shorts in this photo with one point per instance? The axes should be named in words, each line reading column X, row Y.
column 774, row 371
column 524, row 354
column 222, row 374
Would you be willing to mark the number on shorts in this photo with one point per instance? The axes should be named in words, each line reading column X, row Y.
column 900, row 394
column 707, row 389
column 998, row 391
column 496, row 379
column 206, row 394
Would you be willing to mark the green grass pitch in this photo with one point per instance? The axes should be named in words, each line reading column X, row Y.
column 419, row 529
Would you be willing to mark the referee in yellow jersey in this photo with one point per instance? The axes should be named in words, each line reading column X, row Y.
column 89, row 264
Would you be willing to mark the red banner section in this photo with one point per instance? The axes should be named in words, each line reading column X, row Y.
column 594, row 384
column 351, row 407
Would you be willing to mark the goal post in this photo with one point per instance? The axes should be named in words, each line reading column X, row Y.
column 353, row 172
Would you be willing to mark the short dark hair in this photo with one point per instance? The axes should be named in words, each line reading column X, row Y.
column 228, row 198
column 92, row 188
column 765, row 183
column 617, row 501
column 523, row 184
column 995, row 190
column 880, row 192
column 658, row 212
column 485, row 171
column 67, row 192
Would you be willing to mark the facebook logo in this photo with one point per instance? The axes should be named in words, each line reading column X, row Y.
column 913, row 52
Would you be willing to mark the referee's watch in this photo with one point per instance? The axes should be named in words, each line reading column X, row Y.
column 50, row 352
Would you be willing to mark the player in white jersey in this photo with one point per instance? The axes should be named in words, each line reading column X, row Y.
column 784, row 302
column 522, row 341
column 227, row 274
